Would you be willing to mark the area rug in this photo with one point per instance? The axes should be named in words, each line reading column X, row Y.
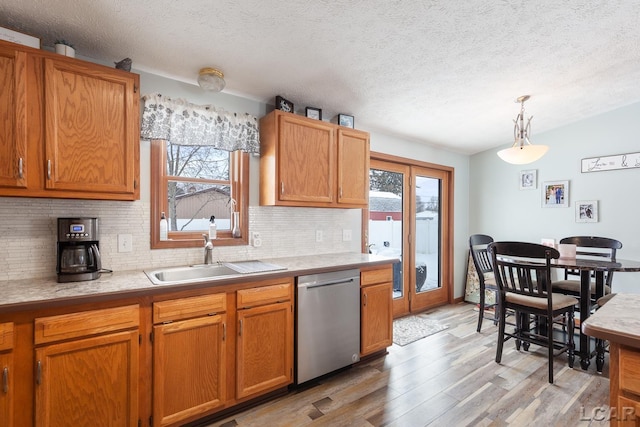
column 412, row 328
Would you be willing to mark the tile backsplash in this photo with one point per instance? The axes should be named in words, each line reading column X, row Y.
column 28, row 235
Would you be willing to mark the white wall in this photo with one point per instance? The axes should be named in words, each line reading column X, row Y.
column 500, row 209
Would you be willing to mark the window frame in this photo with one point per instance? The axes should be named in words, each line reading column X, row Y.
column 239, row 181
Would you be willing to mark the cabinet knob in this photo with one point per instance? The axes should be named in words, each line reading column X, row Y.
column 39, row 373
column 5, row 380
column 20, row 173
column 49, row 169
column 240, row 329
column 282, row 187
column 224, row 332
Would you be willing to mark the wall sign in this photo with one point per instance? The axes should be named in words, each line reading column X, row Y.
column 606, row 163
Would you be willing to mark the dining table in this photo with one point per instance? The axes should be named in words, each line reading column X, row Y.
column 592, row 268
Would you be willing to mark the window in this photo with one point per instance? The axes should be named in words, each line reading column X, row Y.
column 192, row 183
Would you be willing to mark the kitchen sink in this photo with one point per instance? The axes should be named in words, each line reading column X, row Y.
column 200, row 273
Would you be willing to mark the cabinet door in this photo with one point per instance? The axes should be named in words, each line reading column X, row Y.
column 377, row 317
column 189, row 368
column 13, row 119
column 88, row 382
column 6, row 389
column 92, row 138
column 306, row 166
column 353, row 167
column 264, row 348
column 627, row 413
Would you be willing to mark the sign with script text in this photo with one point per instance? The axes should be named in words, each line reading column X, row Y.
column 607, row 163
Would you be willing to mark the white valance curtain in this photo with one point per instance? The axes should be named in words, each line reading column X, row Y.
column 183, row 123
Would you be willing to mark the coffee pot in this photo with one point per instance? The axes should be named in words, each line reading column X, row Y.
column 78, row 253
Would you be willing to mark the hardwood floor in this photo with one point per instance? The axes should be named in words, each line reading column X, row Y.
column 446, row 379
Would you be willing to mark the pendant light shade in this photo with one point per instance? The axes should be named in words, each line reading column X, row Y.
column 522, row 151
column 211, row 79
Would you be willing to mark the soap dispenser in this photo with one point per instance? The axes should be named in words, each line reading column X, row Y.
column 164, row 227
column 212, row 228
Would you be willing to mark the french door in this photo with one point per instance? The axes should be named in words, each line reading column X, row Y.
column 409, row 217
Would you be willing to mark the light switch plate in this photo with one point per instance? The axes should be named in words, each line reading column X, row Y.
column 346, row 235
column 125, row 243
column 319, row 236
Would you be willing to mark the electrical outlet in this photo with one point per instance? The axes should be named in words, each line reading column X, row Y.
column 125, row 243
column 346, row 235
column 319, row 236
column 255, row 238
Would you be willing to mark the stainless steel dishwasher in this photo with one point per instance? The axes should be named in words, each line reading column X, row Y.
column 328, row 323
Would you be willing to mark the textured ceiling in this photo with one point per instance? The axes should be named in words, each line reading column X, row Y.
column 442, row 72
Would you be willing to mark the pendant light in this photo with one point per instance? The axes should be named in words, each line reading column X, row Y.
column 522, row 151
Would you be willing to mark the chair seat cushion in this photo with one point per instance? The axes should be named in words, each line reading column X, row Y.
column 558, row 301
column 573, row 286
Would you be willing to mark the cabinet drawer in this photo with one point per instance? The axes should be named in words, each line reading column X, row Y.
column 381, row 275
column 265, row 295
column 185, row 308
column 65, row 326
column 6, row 336
column 630, row 370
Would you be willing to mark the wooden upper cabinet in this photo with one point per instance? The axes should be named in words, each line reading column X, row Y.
column 353, row 167
column 83, row 134
column 13, row 117
column 306, row 162
column 91, row 128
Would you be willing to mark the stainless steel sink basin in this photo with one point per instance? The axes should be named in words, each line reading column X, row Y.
column 189, row 274
column 200, row 273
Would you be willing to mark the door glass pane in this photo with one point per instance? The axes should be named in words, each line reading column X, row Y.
column 385, row 220
column 427, row 226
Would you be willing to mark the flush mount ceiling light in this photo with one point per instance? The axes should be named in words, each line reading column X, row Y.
column 522, row 151
column 211, row 79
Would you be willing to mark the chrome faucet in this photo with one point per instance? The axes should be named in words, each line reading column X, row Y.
column 208, row 249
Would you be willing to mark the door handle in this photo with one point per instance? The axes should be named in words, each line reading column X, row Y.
column 49, row 169
column 224, row 332
column 240, row 329
column 20, row 166
column 5, row 380
column 39, row 373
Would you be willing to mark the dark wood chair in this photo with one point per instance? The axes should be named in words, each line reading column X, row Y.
column 523, row 274
column 482, row 262
column 587, row 247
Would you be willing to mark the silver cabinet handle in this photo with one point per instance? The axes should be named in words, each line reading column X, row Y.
column 20, row 173
column 240, row 329
column 5, row 380
column 341, row 192
column 39, row 373
column 49, row 169
column 224, row 332
column 282, row 187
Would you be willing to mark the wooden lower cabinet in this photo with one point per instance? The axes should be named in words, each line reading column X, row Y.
column 86, row 371
column 7, row 383
column 624, row 385
column 189, row 358
column 265, row 339
column 376, row 311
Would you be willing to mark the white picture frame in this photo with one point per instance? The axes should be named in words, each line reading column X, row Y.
column 529, row 179
column 555, row 194
column 587, row 211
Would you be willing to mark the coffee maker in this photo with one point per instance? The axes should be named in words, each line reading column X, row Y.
column 78, row 252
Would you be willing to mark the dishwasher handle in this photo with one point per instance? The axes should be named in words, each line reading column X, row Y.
column 326, row 283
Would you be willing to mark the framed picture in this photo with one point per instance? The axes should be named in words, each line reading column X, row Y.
column 313, row 113
column 587, row 211
column 345, row 120
column 283, row 104
column 555, row 194
column 529, row 179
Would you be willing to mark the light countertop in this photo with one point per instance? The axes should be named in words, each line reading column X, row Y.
column 31, row 293
column 617, row 321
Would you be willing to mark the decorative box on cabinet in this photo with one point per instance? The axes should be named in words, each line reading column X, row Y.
column 189, row 358
column 306, row 162
column 83, row 135
column 376, row 299
column 87, row 368
column 264, row 339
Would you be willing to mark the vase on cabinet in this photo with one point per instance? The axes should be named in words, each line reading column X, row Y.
column 235, row 232
column 66, row 50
